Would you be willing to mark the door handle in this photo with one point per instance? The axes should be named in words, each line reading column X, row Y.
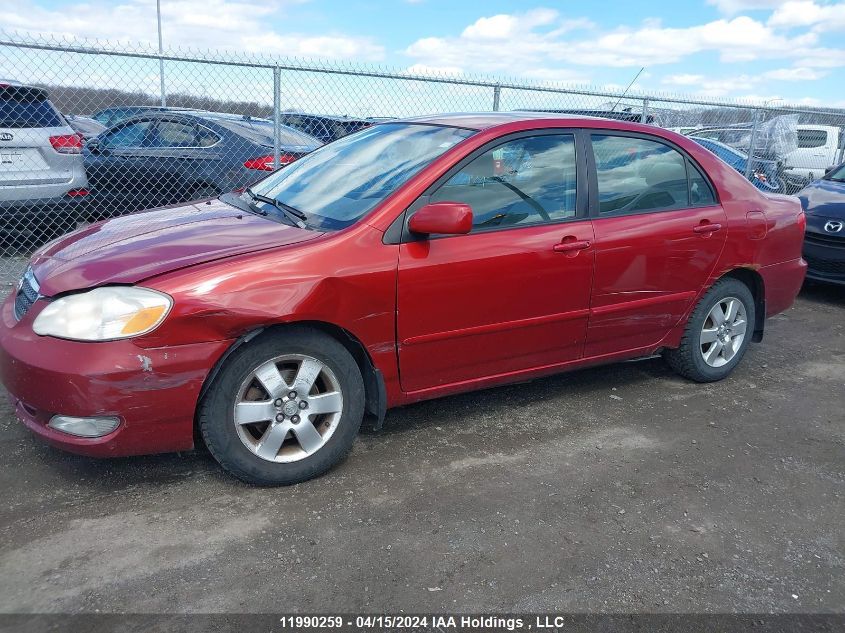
column 571, row 247
column 706, row 228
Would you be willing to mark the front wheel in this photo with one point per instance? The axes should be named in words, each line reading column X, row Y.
column 717, row 333
column 285, row 407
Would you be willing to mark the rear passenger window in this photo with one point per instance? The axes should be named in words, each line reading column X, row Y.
column 524, row 181
column 174, row 134
column 700, row 192
column 636, row 175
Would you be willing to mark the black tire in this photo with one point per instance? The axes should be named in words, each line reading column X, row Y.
column 215, row 414
column 687, row 359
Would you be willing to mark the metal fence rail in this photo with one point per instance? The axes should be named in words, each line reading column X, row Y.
column 232, row 117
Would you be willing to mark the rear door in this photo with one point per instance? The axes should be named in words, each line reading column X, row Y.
column 659, row 232
column 514, row 293
column 183, row 155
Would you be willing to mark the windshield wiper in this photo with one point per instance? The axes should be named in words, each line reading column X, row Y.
column 291, row 213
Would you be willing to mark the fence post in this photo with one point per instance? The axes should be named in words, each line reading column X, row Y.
column 277, row 115
column 163, row 94
column 644, row 117
column 751, row 143
column 497, row 94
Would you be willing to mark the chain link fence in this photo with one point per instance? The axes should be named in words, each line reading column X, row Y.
column 91, row 130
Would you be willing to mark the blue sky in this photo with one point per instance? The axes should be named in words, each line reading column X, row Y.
column 751, row 49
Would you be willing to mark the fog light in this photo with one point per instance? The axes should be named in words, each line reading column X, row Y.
column 84, row 427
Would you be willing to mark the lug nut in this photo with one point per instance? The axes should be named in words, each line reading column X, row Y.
column 303, row 404
column 292, row 395
column 295, row 419
column 278, row 402
column 280, row 418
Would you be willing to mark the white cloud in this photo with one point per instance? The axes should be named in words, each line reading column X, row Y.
column 737, row 84
column 240, row 25
column 803, row 13
column 542, row 39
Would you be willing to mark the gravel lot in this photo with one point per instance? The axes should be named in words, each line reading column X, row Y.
column 622, row 488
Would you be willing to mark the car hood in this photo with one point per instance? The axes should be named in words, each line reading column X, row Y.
column 824, row 198
column 131, row 248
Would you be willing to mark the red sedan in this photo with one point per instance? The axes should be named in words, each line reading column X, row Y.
column 410, row 260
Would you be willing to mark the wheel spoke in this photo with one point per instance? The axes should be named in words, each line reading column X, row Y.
column 270, row 378
column 708, row 335
column 325, row 403
column 307, row 436
column 733, row 308
column 728, row 350
column 308, row 371
column 717, row 314
column 713, row 352
column 271, row 441
column 249, row 412
column 738, row 328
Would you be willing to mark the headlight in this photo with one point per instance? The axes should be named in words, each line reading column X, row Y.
column 103, row 314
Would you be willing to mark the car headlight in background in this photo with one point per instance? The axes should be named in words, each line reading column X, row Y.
column 103, row 314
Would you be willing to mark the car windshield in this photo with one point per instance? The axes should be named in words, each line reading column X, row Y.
column 341, row 182
column 837, row 174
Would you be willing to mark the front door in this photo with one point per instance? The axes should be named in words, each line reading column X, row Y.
column 514, row 293
column 659, row 232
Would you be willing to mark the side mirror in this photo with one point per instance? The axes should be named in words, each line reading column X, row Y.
column 442, row 218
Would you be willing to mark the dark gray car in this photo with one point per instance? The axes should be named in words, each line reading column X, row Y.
column 162, row 158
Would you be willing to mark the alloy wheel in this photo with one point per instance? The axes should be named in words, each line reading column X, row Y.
column 288, row 408
column 723, row 332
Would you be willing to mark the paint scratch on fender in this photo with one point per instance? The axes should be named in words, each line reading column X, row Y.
column 146, row 362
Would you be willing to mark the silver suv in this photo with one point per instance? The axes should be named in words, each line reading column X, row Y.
column 42, row 178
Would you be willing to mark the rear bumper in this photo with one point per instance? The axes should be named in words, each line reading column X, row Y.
column 782, row 283
column 154, row 392
column 825, row 257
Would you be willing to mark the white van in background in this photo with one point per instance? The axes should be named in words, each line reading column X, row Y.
column 820, row 147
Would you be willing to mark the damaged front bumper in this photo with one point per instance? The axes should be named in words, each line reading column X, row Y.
column 152, row 392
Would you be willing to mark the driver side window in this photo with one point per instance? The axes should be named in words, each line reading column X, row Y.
column 525, row 181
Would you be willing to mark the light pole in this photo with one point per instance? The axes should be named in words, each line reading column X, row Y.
column 160, row 56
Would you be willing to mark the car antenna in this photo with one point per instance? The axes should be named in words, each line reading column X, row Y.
column 627, row 89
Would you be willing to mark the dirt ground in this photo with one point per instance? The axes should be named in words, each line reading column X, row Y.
column 623, row 488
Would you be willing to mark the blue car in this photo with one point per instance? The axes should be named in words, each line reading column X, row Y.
column 764, row 173
column 161, row 158
column 824, row 242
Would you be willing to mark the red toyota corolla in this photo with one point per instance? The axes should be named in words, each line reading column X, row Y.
column 411, row 260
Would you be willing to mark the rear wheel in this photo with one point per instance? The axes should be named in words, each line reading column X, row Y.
column 286, row 407
column 717, row 333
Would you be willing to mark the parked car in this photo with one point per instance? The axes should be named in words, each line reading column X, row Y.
column 42, row 178
column 411, row 260
column 112, row 116
column 819, row 148
column 823, row 201
column 85, row 126
column 162, row 158
column 326, row 128
column 765, row 174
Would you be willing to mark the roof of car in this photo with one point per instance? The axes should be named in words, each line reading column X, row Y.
column 482, row 120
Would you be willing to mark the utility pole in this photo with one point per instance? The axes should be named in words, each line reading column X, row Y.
column 160, row 55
